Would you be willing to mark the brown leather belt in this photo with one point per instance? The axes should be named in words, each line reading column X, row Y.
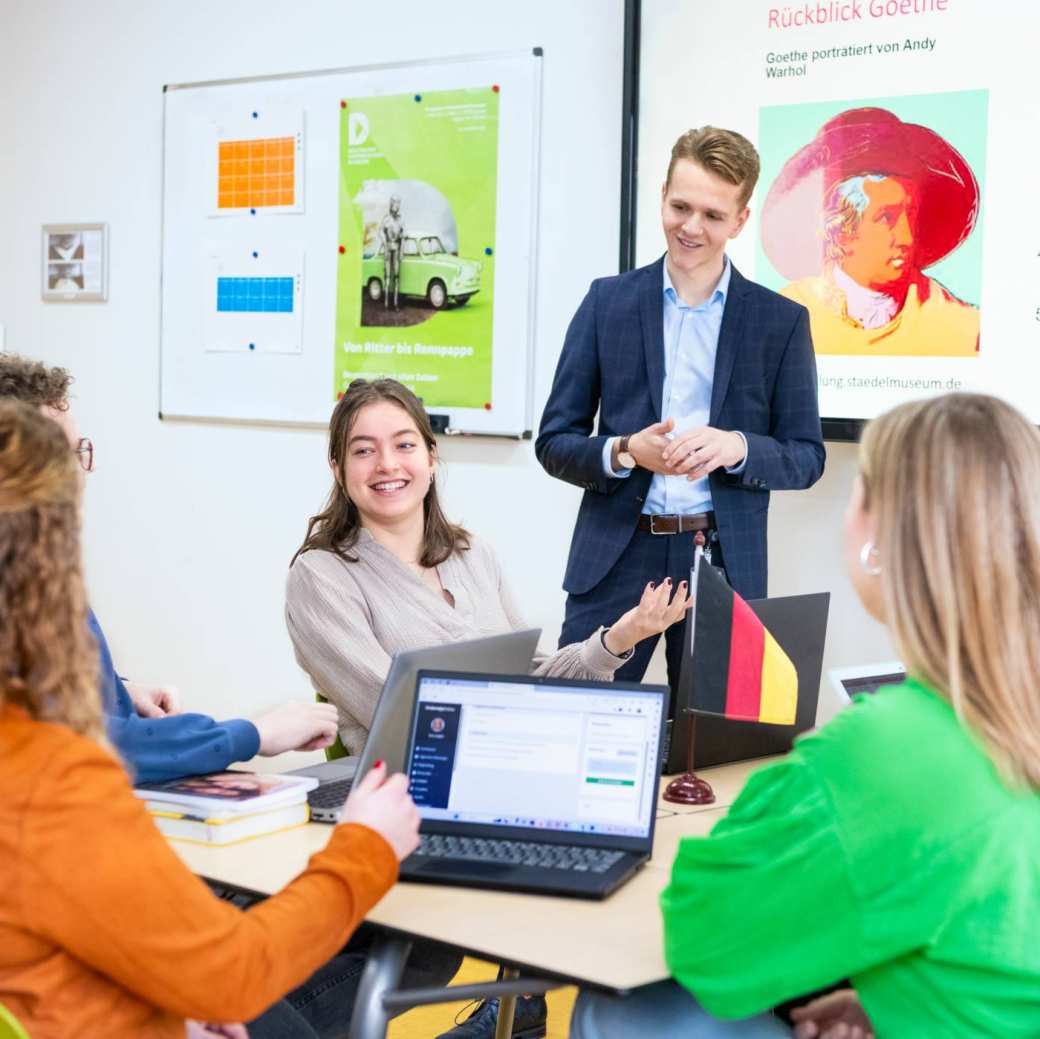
column 674, row 524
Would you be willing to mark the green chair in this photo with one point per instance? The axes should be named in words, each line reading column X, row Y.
column 337, row 750
column 9, row 1027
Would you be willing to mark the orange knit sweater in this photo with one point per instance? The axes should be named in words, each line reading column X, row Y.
column 104, row 932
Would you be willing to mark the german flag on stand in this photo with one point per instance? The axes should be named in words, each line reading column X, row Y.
column 740, row 671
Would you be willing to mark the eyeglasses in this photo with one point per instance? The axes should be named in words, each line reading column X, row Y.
column 84, row 451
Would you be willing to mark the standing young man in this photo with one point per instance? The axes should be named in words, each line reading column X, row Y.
column 705, row 384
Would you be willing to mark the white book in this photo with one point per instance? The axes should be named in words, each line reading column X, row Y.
column 230, row 830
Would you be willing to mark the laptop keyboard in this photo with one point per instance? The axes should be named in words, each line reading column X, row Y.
column 330, row 795
column 516, row 853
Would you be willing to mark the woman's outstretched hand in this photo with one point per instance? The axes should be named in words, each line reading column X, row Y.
column 657, row 610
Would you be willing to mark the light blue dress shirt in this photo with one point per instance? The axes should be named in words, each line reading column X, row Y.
column 691, row 340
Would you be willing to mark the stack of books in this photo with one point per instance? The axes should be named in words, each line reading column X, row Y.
column 226, row 807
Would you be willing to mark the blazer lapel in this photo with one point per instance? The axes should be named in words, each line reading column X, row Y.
column 731, row 335
column 652, row 320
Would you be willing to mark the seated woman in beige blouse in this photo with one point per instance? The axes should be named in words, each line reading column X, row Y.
column 382, row 570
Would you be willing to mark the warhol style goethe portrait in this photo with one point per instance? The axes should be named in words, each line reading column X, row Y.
column 854, row 224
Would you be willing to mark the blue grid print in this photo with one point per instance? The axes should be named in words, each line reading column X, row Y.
column 252, row 295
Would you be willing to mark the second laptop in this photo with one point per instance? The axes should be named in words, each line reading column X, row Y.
column 533, row 784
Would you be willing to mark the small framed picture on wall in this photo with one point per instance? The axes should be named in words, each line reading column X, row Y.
column 75, row 262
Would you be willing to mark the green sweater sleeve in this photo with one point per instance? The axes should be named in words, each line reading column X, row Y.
column 763, row 909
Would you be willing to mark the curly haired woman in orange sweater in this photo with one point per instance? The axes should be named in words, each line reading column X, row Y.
column 103, row 931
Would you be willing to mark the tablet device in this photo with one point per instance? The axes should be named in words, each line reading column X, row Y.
column 865, row 678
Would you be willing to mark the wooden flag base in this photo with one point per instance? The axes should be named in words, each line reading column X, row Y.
column 689, row 788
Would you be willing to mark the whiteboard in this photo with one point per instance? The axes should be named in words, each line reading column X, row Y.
column 274, row 258
column 940, row 83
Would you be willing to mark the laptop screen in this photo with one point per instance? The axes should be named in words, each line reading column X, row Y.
column 536, row 754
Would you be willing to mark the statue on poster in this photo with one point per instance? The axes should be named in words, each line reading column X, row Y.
column 391, row 233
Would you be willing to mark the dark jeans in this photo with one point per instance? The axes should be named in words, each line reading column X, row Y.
column 322, row 1006
column 648, row 557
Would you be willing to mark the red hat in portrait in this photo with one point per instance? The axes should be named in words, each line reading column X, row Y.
column 858, row 142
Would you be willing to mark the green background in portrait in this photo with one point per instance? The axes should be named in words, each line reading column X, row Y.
column 960, row 117
column 459, row 159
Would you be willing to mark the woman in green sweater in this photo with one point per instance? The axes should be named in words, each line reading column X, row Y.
column 898, row 846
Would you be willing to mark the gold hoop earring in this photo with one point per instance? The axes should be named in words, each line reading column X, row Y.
column 867, row 553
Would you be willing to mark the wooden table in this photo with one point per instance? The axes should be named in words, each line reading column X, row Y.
column 614, row 945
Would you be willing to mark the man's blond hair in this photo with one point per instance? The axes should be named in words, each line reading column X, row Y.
column 725, row 153
column 953, row 484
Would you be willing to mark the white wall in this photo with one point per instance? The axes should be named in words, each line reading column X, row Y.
column 8, row 107
column 189, row 527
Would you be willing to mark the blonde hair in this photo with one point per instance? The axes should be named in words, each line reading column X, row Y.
column 48, row 661
column 725, row 153
column 953, row 484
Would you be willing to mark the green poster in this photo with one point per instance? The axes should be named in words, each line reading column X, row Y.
column 416, row 269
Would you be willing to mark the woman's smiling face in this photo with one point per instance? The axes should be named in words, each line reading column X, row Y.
column 387, row 468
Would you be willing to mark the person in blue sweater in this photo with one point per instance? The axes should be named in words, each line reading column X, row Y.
column 144, row 723
column 164, row 745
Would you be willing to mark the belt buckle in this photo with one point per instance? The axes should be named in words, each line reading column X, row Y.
column 653, row 527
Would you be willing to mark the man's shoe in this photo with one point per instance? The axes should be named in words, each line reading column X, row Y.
column 528, row 1022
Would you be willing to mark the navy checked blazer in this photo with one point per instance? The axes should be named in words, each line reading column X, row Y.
column 613, row 360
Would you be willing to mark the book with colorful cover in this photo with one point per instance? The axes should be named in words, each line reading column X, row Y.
column 225, row 795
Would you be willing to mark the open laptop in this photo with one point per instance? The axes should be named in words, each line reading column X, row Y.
column 799, row 625
column 533, row 784
column 865, row 678
column 508, row 654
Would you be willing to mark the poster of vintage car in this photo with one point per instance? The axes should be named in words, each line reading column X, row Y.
column 416, row 272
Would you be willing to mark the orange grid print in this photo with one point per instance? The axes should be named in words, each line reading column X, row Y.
column 257, row 173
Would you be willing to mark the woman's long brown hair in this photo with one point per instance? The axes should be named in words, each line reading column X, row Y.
column 337, row 527
column 48, row 662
